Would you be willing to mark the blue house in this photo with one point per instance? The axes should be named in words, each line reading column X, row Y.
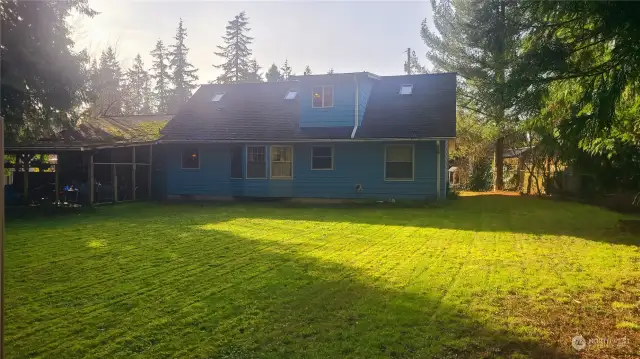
column 338, row 136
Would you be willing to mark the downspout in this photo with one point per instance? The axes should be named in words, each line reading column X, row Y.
column 438, row 169
column 357, row 108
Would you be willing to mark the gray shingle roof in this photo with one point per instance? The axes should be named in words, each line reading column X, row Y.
column 430, row 111
column 259, row 112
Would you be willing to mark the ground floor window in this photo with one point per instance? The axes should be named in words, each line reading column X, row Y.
column 322, row 158
column 190, row 158
column 398, row 162
column 281, row 161
column 256, row 162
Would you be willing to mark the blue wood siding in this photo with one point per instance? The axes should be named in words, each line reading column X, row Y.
column 341, row 114
column 354, row 163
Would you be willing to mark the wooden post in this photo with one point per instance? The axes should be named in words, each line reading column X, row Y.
column 114, row 183
column 133, row 173
column 150, row 168
column 57, row 186
column 92, row 181
column 2, row 240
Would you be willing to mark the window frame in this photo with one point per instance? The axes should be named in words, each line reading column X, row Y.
column 332, row 96
column 246, row 163
column 291, row 95
column 231, row 164
column 271, row 176
column 332, row 156
column 182, row 158
column 221, row 94
column 413, row 163
column 410, row 86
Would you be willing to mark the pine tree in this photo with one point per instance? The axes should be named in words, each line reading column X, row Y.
column 137, row 82
column 273, row 74
column 236, row 53
column 330, row 72
column 479, row 41
column 107, row 85
column 307, row 71
column 44, row 82
column 160, row 74
column 183, row 73
column 254, row 72
column 285, row 70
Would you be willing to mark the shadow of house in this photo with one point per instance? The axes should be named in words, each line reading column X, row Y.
column 488, row 213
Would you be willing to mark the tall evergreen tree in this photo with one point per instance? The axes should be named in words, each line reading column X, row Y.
column 43, row 80
column 184, row 75
column 137, row 84
column 286, row 70
column 107, row 85
column 479, row 41
column 273, row 74
column 236, row 52
column 254, row 72
column 307, row 71
column 160, row 74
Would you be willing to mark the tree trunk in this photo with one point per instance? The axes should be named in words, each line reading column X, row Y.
column 498, row 184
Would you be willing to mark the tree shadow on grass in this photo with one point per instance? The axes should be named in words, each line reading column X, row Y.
column 224, row 296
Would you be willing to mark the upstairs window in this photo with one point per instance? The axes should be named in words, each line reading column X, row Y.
column 281, row 162
column 291, row 95
column 256, row 162
column 190, row 158
column 398, row 163
column 406, row 89
column 217, row 97
column 322, row 158
column 322, row 97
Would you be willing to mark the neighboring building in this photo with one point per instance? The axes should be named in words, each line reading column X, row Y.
column 353, row 135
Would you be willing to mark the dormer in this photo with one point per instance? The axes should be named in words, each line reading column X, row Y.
column 334, row 100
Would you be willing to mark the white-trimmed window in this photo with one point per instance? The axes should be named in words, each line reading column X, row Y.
column 322, row 96
column 281, row 162
column 398, row 162
column 322, row 158
column 406, row 89
column 190, row 158
column 256, row 162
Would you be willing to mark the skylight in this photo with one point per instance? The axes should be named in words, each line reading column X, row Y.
column 217, row 97
column 291, row 95
column 406, row 89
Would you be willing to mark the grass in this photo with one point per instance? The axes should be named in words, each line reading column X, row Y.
column 483, row 277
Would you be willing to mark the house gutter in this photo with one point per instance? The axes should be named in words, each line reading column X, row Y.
column 357, row 107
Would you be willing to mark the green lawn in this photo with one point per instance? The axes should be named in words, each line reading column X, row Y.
column 484, row 276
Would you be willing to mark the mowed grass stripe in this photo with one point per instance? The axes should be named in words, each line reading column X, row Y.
column 264, row 280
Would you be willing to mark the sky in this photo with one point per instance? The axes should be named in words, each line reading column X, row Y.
column 347, row 36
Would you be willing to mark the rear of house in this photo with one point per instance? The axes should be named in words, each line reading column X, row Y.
column 349, row 136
